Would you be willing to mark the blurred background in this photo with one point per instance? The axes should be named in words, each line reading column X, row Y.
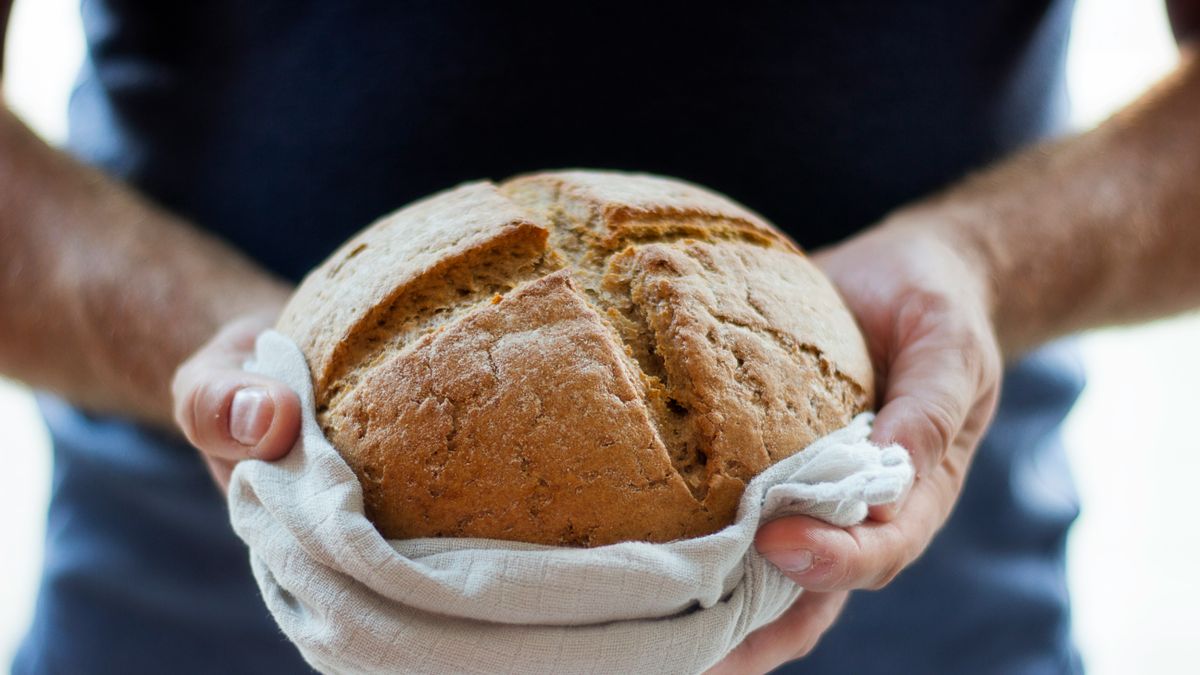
column 1133, row 551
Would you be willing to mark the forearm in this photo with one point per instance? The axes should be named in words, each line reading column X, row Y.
column 102, row 294
column 1096, row 229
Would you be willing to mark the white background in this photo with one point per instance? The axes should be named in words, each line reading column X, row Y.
column 1136, row 549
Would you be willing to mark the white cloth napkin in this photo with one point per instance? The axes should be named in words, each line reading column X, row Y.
column 355, row 602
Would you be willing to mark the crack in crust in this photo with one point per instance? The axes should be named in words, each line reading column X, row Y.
column 436, row 298
column 698, row 352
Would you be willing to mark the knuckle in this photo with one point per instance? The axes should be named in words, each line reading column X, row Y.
column 936, row 427
column 805, row 645
column 985, row 360
column 972, row 356
column 842, row 571
column 854, row 569
column 911, row 545
column 206, row 410
column 919, row 311
column 888, row 574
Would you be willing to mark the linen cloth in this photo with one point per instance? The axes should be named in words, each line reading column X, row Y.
column 354, row 602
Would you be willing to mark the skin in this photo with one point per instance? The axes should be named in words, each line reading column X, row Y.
column 102, row 293
column 1098, row 229
column 123, row 308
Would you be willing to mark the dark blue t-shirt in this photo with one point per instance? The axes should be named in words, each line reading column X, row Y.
column 285, row 127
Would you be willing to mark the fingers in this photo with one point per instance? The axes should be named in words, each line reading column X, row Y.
column 934, row 388
column 941, row 368
column 791, row 636
column 230, row 414
column 945, row 369
column 823, row 557
column 924, row 313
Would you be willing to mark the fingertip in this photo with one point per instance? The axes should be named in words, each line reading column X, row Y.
column 811, row 552
column 786, row 533
column 284, row 427
column 234, row 415
column 202, row 413
column 251, row 414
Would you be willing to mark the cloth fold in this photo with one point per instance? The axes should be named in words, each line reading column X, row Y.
column 354, row 602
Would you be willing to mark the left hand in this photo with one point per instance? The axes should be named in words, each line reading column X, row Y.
column 923, row 304
column 230, row 414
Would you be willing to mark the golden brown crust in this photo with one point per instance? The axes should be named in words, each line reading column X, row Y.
column 573, row 358
column 333, row 313
column 492, row 427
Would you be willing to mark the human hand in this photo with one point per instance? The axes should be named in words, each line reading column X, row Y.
column 923, row 303
column 230, row 414
column 792, row 636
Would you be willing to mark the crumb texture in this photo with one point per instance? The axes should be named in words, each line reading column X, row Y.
column 573, row 358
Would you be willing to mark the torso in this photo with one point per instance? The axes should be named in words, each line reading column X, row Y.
column 286, row 127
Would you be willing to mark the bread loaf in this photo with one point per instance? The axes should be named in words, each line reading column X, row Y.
column 572, row 358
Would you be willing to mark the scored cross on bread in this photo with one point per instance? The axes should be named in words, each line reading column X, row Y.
column 572, row 358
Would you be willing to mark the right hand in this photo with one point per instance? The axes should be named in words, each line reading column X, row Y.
column 230, row 414
column 792, row 636
column 924, row 304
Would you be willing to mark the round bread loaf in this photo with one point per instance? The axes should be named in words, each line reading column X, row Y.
column 572, row 358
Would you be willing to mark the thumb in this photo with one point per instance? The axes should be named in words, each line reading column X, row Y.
column 228, row 413
column 233, row 415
